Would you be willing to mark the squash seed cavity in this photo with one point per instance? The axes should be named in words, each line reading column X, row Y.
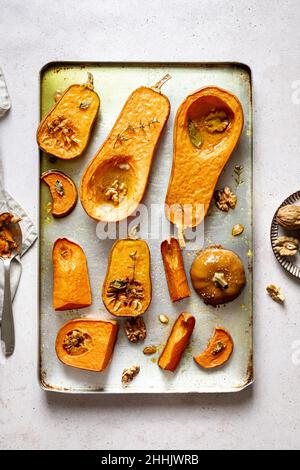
column 77, row 342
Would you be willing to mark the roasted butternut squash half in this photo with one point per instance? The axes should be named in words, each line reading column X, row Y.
column 177, row 342
column 218, row 351
column 174, row 270
column 86, row 343
column 63, row 192
column 71, row 285
column 66, row 129
column 126, row 289
column 207, row 127
column 115, row 180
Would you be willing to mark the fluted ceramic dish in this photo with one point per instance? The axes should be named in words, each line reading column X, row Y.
column 291, row 265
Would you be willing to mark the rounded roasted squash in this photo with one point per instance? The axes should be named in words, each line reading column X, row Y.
column 218, row 275
column 65, row 130
column 218, row 351
column 207, row 127
column 71, row 284
column 126, row 289
column 86, row 343
column 115, row 180
column 177, row 342
column 63, row 192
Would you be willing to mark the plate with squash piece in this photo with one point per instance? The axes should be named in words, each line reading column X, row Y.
column 285, row 234
column 130, row 111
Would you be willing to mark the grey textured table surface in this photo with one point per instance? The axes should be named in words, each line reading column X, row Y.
column 266, row 36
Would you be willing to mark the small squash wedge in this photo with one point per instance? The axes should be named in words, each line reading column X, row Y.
column 126, row 289
column 71, row 285
column 65, row 130
column 115, row 180
column 207, row 127
column 218, row 351
column 86, row 343
column 177, row 342
column 174, row 270
column 63, row 192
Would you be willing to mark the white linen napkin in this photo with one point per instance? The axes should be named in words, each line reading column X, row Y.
column 8, row 204
column 29, row 236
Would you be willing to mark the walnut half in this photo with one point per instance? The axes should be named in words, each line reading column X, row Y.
column 129, row 373
column 286, row 246
column 135, row 329
column 275, row 293
column 225, row 199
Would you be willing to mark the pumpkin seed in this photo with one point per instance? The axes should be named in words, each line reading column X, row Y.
column 164, row 319
column 237, row 230
column 148, row 350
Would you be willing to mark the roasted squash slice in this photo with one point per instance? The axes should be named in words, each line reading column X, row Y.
column 174, row 270
column 126, row 289
column 115, row 180
column 86, row 344
column 207, row 127
column 218, row 351
column 177, row 342
column 65, row 130
column 63, row 192
column 71, row 285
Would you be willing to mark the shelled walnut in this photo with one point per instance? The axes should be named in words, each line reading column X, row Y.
column 275, row 293
column 129, row 373
column 225, row 199
column 286, row 246
column 135, row 329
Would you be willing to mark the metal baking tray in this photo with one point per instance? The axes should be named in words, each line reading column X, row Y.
column 114, row 82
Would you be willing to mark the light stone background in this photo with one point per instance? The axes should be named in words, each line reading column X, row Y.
column 265, row 34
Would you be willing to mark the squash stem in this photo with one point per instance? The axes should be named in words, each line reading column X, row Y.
column 161, row 82
column 181, row 239
column 90, row 81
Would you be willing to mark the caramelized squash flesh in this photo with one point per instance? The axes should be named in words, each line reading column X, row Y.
column 86, row 343
column 115, row 181
column 126, row 289
column 71, row 285
column 66, row 129
column 207, row 127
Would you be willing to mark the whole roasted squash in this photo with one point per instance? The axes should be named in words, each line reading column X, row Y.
column 86, row 343
column 207, row 127
column 115, row 180
column 126, row 289
column 71, row 285
column 65, row 130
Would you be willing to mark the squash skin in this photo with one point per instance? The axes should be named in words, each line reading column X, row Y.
column 177, row 342
column 135, row 149
column 61, row 205
column 207, row 360
column 174, row 270
column 68, row 107
column 119, row 267
column 71, row 285
column 104, row 336
column 195, row 171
